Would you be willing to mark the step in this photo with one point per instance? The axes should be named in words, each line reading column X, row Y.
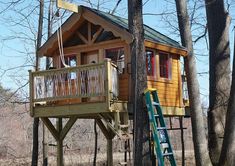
column 124, row 136
column 167, row 154
column 164, row 145
column 155, row 103
column 124, row 126
column 161, row 128
column 122, row 163
column 156, row 116
column 123, row 150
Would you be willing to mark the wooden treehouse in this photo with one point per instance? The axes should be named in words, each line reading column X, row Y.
column 93, row 78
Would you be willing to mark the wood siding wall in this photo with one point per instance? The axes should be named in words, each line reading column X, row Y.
column 169, row 91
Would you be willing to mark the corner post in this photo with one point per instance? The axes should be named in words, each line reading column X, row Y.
column 60, row 161
column 31, row 92
column 108, row 85
column 109, row 151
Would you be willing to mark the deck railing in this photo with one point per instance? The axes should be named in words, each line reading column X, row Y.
column 85, row 81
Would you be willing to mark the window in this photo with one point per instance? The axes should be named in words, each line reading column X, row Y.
column 150, row 62
column 117, row 57
column 164, row 66
column 72, row 62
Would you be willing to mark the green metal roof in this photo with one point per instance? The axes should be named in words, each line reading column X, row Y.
column 149, row 33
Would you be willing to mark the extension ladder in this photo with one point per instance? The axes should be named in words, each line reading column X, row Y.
column 161, row 140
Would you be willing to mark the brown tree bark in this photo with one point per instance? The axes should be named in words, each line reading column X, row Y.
column 199, row 134
column 218, row 22
column 36, row 120
column 96, row 143
column 227, row 156
column 139, row 83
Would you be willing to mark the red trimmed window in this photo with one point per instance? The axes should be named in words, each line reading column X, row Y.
column 164, row 64
column 150, row 62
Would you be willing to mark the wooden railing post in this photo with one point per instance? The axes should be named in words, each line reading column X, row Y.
column 31, row 92
column 108, row 81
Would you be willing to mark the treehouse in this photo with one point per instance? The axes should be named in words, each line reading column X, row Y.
column 90, row 73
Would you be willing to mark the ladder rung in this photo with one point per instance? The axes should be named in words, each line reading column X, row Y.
column 167, row 154
column 156, row 115
column 124, row 126
column 161, row 128
column 164, row 145
column 123, row 163
column 155, row 103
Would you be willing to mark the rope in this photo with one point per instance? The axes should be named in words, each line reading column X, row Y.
column 60, row 40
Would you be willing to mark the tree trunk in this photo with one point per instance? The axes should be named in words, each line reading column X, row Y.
column 199, row 134
column 35, row 142
column 219, row 84
column 96, row 143
column 227, row 156
column 45, row 131
column 36, row 120
column 139, row 83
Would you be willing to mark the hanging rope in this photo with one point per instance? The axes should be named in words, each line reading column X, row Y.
column 60, row 39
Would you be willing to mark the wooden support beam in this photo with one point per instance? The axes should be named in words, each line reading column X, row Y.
column 108, row 134
column 109, row 125
column 45, row 145
column 67, row 127
column 89, row 33
column 117, row 120
column 109, row 152
column 51, row 128
column 60, row 160
column 96, row 34
column 82, row 37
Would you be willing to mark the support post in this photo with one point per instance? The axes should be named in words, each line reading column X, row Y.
column 109, row 151
column 182, row 139
column 45, row 145
column 59, row 126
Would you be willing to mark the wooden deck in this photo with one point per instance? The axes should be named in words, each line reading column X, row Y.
column 82, row 91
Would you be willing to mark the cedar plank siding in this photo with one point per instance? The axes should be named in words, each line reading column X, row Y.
column 169, row 92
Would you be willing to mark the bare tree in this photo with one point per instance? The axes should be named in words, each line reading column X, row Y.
column 227, row 155
column 199, row 135
column 218, row 22
column 139, row 82
column 36, row 120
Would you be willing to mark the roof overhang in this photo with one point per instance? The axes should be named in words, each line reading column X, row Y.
column 73, row 22
column 167, row 48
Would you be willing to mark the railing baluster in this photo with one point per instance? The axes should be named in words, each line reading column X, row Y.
column 75, row 82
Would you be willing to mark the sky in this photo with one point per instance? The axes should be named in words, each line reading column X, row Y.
column 19, row 51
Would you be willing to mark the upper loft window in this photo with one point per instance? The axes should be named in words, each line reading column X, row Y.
column 164, row 65
column 117, row 56
column 150, row 62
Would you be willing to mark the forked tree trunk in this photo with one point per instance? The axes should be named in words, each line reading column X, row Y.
column 227, row 156
column 199, row 134
column 139, row 83
column 36, row 120
column 218, row 22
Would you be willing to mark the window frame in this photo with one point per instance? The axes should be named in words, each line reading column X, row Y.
column 169, row 78
column 154, row 76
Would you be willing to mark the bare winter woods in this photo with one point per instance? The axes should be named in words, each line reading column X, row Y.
column 203, row 28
